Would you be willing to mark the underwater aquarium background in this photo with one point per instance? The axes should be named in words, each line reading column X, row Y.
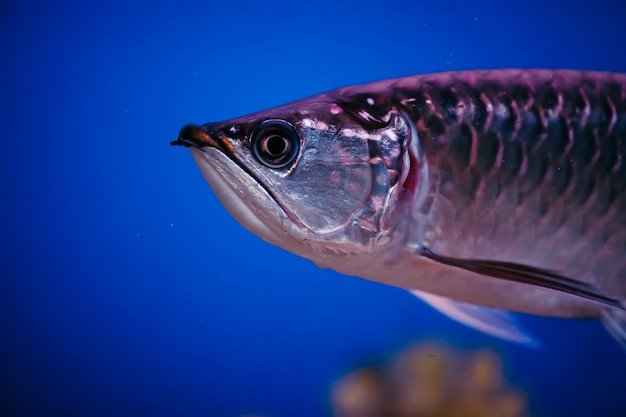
column 125, row 287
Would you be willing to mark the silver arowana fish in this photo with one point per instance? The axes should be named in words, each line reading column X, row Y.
column 504, row 189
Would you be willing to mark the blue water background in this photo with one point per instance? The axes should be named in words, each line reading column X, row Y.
column 126, row 289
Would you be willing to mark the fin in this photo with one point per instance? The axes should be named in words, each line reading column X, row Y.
column 530, row 275
column 498, row 323
column 615, row 322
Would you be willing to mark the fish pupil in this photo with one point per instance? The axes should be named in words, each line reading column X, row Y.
column 276, row 146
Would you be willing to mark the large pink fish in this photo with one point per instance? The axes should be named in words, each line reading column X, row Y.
column 504, row 189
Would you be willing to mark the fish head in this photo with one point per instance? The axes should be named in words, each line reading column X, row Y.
column 321, row 177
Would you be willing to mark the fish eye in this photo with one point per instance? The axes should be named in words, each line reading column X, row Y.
column 275, row 143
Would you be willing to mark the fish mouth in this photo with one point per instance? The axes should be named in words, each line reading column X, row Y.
column 205, row 137
column 239, row 191
column 195, row 136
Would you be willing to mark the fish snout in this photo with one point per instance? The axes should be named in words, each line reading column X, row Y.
column 195, row 136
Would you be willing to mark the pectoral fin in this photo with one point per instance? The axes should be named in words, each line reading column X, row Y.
column 615, row 322
column 498, row 323
column 527, row 274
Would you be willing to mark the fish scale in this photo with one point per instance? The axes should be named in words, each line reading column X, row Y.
column 501, row 188
column 544, row 157
column 563, row 184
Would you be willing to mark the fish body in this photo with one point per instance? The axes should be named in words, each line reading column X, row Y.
column 501, row 188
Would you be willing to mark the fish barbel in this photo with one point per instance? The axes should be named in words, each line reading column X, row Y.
column 504, row 189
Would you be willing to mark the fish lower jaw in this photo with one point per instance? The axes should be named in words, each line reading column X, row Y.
column 233, row 187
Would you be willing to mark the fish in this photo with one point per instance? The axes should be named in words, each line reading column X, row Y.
column 481, row 192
